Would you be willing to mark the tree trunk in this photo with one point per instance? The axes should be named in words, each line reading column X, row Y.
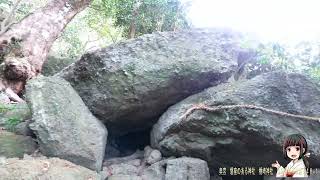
column 135, row 13
column 31, row 39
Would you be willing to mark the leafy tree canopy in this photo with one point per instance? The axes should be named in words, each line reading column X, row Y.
column 148, row 15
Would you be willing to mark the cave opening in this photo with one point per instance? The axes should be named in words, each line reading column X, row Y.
column 125, row 145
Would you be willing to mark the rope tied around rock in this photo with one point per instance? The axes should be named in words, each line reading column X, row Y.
column 204, row 107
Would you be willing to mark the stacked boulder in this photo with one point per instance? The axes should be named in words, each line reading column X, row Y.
column 176, row 83
column 130, row 84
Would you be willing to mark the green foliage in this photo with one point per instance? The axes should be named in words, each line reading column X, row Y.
column 90, row 29
column 108, row 21
column 152, row 15
column 24, row 8
column 303, row 57
column 71, row 36
column 5, row 108
column 103, row 25
column 11, row 123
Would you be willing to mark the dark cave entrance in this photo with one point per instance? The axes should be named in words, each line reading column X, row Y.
column 125, row 145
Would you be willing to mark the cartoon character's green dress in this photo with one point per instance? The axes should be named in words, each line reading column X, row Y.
column 297, row 169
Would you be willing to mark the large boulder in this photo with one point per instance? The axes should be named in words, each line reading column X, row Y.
column 43, row 168
column 64, row 126
column 130, row 84
column 243, row 137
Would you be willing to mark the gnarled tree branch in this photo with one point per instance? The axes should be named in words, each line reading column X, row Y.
column 5, row 24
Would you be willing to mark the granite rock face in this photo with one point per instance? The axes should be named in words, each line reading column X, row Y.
column 254, row 137
column 64, row 126
column 130, row 84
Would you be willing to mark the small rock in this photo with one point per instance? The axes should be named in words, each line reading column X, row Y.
column 154, row 157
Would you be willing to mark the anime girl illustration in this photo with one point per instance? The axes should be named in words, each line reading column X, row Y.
column 295, row 148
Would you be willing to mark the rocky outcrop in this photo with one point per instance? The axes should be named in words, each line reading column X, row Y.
column 243, row 137
column 130, row 84
column 64, row 126
column 12, row 145
column 43, row 168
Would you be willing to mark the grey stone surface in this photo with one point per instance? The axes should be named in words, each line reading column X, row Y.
column 167, row 169
column 187, row 168
column 124, row 169
column 130, row 84
column 64, row 126
column 23, row 129
column 156, row 171
column 243, row 137
column 12, row 145
column 44, row 169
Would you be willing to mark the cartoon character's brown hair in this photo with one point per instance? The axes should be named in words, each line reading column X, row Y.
column 297, row 140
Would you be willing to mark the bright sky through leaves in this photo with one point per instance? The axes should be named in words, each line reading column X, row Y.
column 285, row 20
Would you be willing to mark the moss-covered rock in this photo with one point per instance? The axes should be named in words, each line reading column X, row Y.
column 243, row 137
column 64, row 126
column 129, row 84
